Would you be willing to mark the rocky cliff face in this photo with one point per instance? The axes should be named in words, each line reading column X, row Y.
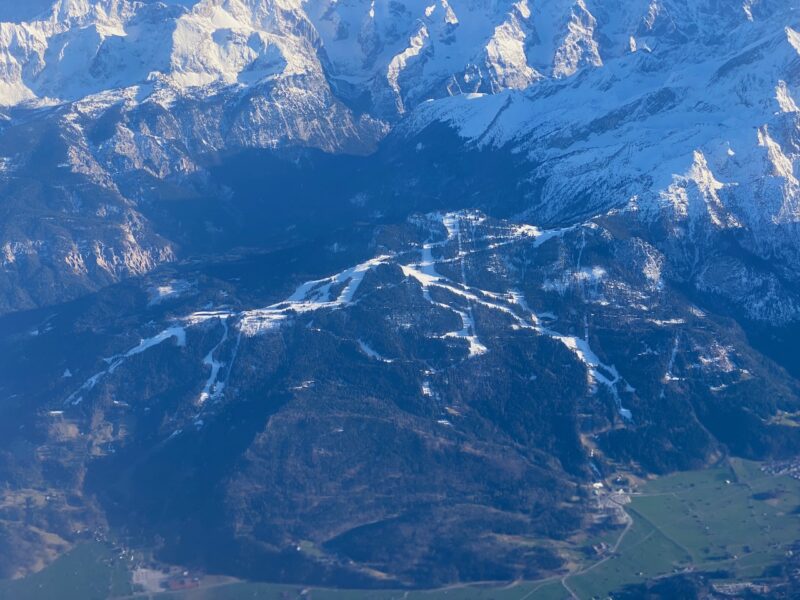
column 692, row 130
column 684, row 110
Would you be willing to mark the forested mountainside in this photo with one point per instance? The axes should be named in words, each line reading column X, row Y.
column 389, row 278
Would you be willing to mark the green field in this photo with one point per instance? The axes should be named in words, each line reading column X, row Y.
column 265, row 591
column 89, row 572
column 699, row 520
column 732, row 518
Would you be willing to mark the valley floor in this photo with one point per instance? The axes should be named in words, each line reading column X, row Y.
column 732, row 524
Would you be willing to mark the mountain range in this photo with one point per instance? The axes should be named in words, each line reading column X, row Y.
column 387, row 277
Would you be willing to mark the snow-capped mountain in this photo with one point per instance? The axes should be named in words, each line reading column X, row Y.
column 564, row 79
column 680, row 115
column 398, row 53
column 695, row 132
column 683, row 107
column 504, row 247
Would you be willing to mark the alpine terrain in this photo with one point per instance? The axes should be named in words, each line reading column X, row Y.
column 388, row 294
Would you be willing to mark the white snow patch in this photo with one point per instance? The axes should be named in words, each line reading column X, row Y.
column 168, row 291
column 176, row 331
column 369, row 351
column 309, row 297
column 213, row 388
column 784, row 98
